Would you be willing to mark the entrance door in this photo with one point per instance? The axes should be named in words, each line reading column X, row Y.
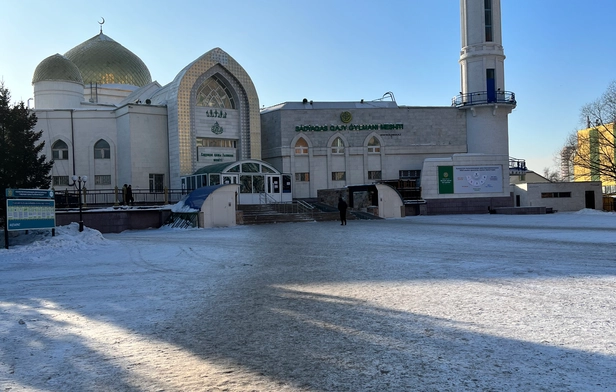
column 491, row 85
column 229, row 179
column 590, row 199
column 273, row 187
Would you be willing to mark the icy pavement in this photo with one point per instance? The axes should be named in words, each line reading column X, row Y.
column 427, row 303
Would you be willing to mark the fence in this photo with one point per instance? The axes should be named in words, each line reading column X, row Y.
column 183, row 220
column 113, row 197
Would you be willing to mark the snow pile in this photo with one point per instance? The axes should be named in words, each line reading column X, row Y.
column 67, row 239
column 589, row 211
column 181, row 207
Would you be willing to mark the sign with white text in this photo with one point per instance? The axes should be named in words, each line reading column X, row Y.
column 28, row 214
column 478, row 179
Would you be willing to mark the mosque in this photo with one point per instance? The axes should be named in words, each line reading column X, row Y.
column 103, row 116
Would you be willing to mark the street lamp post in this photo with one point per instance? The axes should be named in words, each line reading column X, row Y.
column 80, row 182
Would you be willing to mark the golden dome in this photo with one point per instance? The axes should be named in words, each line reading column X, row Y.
column 104, row 61
column 57, row 68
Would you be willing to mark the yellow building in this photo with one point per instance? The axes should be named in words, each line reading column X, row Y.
column 595, row 156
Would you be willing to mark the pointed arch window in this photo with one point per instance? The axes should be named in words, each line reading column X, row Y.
column 59, row 150
column 301, row 147
column 338, row 146
column 214, row 93
column 374, row 146
column 102, row 150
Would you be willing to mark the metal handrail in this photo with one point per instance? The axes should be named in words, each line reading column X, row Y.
column 109, row 197
column 264, row 198
column 183, row 220
column 305, row 208
column 483, row 98
column 517, row 165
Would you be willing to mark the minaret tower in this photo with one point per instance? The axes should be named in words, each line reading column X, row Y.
column 482, row 73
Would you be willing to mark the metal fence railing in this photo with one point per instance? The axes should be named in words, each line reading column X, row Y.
column 183, row 220
column 69, row 198
column 484, row 97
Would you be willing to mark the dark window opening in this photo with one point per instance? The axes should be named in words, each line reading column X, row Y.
column 488, row 19
column 549, row 195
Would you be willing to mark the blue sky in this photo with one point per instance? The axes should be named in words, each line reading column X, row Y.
column 559, row 54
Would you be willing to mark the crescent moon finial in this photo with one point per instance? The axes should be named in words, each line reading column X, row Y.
column 102, row 23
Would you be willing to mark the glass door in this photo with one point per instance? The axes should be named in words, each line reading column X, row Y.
column 229, row 179
column 273, row 186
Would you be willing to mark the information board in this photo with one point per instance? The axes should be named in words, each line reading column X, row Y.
column 478, row 179
column 27, row 214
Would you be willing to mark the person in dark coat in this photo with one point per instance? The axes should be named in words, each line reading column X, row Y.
column 124, row 200
column 129, row 196
column 342, row 207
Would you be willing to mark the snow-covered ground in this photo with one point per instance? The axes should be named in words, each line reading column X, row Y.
column 426, row 303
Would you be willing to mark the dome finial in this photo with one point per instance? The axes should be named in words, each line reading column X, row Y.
column 102, row 23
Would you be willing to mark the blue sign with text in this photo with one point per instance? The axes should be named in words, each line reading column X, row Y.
column 27, row 214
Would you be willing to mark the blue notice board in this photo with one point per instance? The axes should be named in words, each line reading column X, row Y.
column 27, row 214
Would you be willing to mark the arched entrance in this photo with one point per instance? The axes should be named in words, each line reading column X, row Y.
column 260, row 183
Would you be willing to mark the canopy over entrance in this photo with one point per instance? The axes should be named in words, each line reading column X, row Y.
column 260, row 182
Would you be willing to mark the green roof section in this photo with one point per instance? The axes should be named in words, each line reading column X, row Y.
column 215, row 168
column 225, row 167
column 57, row 68
column 104, row 61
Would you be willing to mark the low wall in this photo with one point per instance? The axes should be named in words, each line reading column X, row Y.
column 520, row 210
column 116, row 221
column 331, row 196
column 471, row 205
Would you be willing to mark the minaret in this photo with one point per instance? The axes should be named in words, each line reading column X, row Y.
column 482, row 72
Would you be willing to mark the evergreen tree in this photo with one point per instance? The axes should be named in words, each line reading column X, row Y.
column 22, row 165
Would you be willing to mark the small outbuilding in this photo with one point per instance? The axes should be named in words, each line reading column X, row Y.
column 217, row 205
column 533, row 190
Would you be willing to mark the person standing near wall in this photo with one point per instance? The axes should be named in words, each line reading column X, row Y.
column 124, row 190
column 342, row 207
column 129, row 196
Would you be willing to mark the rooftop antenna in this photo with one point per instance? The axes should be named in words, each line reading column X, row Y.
column 387, row 94
column 102, row 23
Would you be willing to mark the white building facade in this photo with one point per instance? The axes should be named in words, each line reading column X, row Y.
column 457, row 155
column 108, row 120
column 102, row 116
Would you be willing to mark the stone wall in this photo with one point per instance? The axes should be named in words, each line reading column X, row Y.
column 116, row 221
column 476, row 205
column 330, row 196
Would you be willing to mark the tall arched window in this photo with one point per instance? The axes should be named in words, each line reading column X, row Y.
column 59, row 150
column 301, row 147
column 374, row 145
column 102, row 150
column 338, row 146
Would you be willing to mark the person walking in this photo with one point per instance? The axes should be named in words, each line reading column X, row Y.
column 342, row 207
column 129, row 196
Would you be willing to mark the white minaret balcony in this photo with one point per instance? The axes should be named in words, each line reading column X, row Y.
column 484, row 98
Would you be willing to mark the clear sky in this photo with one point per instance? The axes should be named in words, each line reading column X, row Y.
column 560, row 55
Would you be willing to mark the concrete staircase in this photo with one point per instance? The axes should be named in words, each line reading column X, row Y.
column 271, row 213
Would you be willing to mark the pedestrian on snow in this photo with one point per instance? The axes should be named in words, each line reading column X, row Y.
column 129, row 196
column 124, row 190
column 342, row 207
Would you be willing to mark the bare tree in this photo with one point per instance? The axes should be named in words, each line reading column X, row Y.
column 592, row 150
column 551, row 175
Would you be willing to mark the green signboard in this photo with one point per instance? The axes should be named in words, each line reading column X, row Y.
column 28, row 214
column 30, row 193
column 445, row 179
